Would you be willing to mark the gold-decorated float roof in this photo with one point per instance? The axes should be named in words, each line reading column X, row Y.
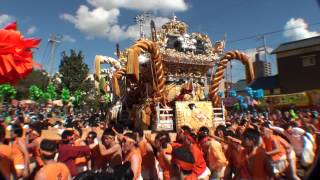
column 175, row 27
column 172, row 56
column 176, row 30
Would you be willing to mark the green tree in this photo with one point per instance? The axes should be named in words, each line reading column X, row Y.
column 51, row 92
column 74, row 72
column 77, row 98
column 38, row 78
column 46, row 97
column 65, row 95
column 7, row 92
column 35, row 93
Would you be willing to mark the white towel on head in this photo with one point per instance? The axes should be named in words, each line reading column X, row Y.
column 60, row 131
column 298, row 131
column 205, row 174
column 9, row 128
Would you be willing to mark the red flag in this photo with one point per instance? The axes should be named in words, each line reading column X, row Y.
column 11, row 26
column 15, row 55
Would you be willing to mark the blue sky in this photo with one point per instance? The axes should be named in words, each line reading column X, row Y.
column 94, row 26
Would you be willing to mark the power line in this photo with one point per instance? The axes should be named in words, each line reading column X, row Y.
column 269, row 33
column 249, row 48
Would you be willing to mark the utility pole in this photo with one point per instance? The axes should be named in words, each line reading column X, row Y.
column 265, row 65
column 224, row 41
column 263, row 48
column 141, row 21
column 53, row 42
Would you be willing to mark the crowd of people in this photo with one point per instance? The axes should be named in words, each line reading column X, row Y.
column 262, row 146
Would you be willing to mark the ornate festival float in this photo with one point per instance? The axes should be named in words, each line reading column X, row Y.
column 168, row 80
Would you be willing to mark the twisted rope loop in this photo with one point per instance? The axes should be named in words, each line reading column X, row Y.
column 218, row 75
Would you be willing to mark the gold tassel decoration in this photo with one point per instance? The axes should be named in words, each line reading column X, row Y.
column 133, row 63
column 115, row 86
column 115, row 80
column 97, row 75
column 97, row 66
column 157, row 67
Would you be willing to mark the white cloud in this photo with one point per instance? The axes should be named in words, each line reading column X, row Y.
column 5, row 19
column 133, row 32
column 102, row 23
column 31, row 30
column 118, row 33
column 102, row 20
column 142, row 5
column 68, row 38
column 296, row 29
column 95, row 23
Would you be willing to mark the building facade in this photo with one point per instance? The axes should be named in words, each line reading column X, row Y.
column 299, row 65
column 262, row 69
